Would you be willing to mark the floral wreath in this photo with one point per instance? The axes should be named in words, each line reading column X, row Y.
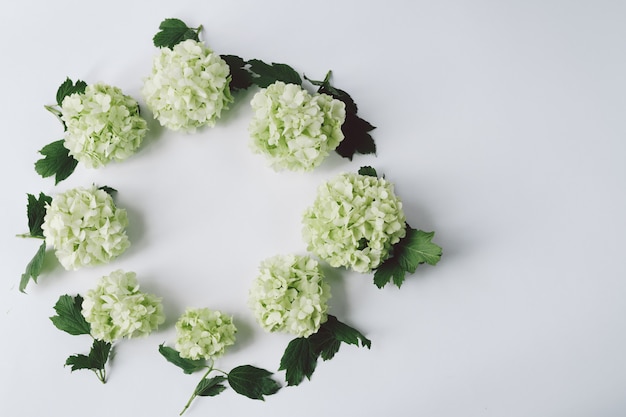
column 355, row 221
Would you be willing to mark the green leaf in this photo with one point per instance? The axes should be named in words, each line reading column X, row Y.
column 252, row 382
column 57, row 162
column 241, row 78
column 68, row 88
column 36, row 212
column 298, row 360
column 173, row 32
column 414, row 249
column 388, row 271
column 210, row 387
column 367, row 170
column 265, row 74
column 331, row 334
column 95, row 361
column 33, row 269
column 356, row 137
column 188, row 366
column 69, row 317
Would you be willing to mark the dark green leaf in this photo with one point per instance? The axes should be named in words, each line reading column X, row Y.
column 69, row 317
column 252, row 382
column 36, row 212
column 367, row 170
column 173, row 32
column 414, row 249
column 33, row 269
column 266, row 74
column 241, row 78
column 332, row 333
column 96, row 360
column 210, row 387
column 188, row 366
column 356, row 137
column 57, row 162
column 389, row 270
column 298, row 360
column 69, row 88
column 109, row 190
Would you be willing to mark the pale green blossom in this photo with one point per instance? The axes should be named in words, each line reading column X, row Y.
column 354, row 221
column 102, row 125
column 202, row 333
column 116, row 308
column 188, row 87
column 85, row 228
column 294, row 129
column 290, row 295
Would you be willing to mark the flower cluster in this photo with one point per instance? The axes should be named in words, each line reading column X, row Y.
column 102, row 124
column 202, row 333
column 290, row 295
column 294, row 129
column 85, row 228
column 188, row 87
column 354, row 221
column 116, row 308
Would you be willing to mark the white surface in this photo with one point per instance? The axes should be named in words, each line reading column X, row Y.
column 502, row 126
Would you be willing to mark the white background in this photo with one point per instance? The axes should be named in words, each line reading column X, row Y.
column 501, row 124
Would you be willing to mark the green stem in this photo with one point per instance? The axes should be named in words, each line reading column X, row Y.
column 28, row 235
column 101, row 374
column 194, row 395
column 54, row 110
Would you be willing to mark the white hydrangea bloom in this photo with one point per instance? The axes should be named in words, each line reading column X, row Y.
column 202, row 333
column 294, row 129
column 188, row 87
column 290, row 295
column 102, row 125
column 85, row 228
column 354, row 221
column 116, row 308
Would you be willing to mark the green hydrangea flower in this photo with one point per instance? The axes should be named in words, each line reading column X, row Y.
column 202, row 333
column 102, row 125
column 85, row 228
column 354, row 221
column 188, row 87
column 116, row 308
column 290, row 295
column 294, row 129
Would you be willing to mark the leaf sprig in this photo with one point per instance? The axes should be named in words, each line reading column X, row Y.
column 411, row 251
column 300, row 357
column 70, row 319
column 247, row 380
column 36, row 212
column 57, row 161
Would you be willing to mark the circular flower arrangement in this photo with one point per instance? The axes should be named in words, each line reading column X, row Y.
column 356, row 221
